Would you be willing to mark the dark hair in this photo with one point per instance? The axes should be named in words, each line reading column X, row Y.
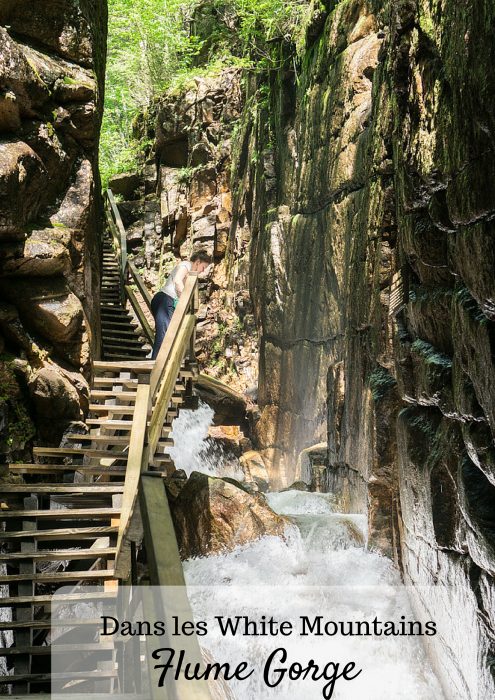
column 202, row 256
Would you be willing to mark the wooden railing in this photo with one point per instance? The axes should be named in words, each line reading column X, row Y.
column 128, row 272
column 154, row 393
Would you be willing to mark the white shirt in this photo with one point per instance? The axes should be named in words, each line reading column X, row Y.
column 169, row 286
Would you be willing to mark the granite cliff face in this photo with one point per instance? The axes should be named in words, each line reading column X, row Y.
column 364, row 182
column 51, row 80
column 182, row 202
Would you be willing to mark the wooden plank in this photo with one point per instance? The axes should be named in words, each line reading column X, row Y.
column 165, row 568
column 43, row 624
column 80, row 451
column 96, row 470
column 61, row 513
column 102, row 394
column 47, row 677
column 73, row 533
column 111, row 408
column 136, row 366
column 120, row 228
column 148, row 331
column 143, row 289
column 107, row 439
column 167, row 385
column 134, row 467
column 59, row 576
column 64, row 597
column 59, row 554
column 109, row 423
column 88, row 487
column 162, row 551
column 114, row 381
column 58, row 649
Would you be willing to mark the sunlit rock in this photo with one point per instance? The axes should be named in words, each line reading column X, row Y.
column 212, row 515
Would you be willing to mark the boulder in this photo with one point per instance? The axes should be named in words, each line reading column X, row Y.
column 298, row 486
column 56, row 403
column 230, row 407
column 23, row 179
column 212, row 515
column 311, row 462
column 59, row 26
column 124, row 184
column 230, row 438
column 44, row 253
column 254, row 468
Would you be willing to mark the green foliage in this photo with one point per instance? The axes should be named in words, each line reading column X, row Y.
column 151, row 49
column 148, row 44
column 380, row 382
column 431, row 354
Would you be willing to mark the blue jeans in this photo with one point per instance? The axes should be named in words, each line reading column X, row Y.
column 162, row 308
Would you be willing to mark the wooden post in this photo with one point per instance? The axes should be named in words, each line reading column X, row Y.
column 165, row 569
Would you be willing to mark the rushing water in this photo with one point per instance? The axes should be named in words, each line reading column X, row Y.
column 321, row 567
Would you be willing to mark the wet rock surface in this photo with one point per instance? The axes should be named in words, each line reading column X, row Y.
column 361, row 190
column 51, row 71
column 212, row 515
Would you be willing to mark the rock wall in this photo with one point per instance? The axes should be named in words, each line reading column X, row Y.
column 364, row 186
column 51, row 95
column 182, row 202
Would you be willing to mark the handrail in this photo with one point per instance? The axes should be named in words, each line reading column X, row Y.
column 118, row 231
column 127, row 270
column 152, row 401
column 155, row 388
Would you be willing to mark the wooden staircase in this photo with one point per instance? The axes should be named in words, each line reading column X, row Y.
column 67, row 518
column 122, row 337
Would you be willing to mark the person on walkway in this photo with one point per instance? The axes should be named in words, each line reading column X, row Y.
column 165, row 301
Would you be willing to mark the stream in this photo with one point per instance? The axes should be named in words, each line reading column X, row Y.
column 322, row 567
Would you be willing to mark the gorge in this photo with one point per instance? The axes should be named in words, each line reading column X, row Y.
column 344, row 189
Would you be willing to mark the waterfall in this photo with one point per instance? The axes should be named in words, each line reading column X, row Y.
column 195, row 451
column 322, row 567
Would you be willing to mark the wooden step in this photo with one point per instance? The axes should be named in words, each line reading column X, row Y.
column 134, row 366
column 61, row 468
column 122, row 347
column 47, row 599
column 83, row 452
column 111, row 408
column 59, row 576
column 124, row 344
column 115, row 381
column 47, row 623
column 64, row 513
column 110, row 424
column 107, row 310
column 107, row 439
column 60, row 555
column 120, row 358
column 60, row 534
column 92, row 487
column 48, row 677
column 121, row 425
column 59, row 649
column 122, row 332
column 162, row 459
column 123, row 395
